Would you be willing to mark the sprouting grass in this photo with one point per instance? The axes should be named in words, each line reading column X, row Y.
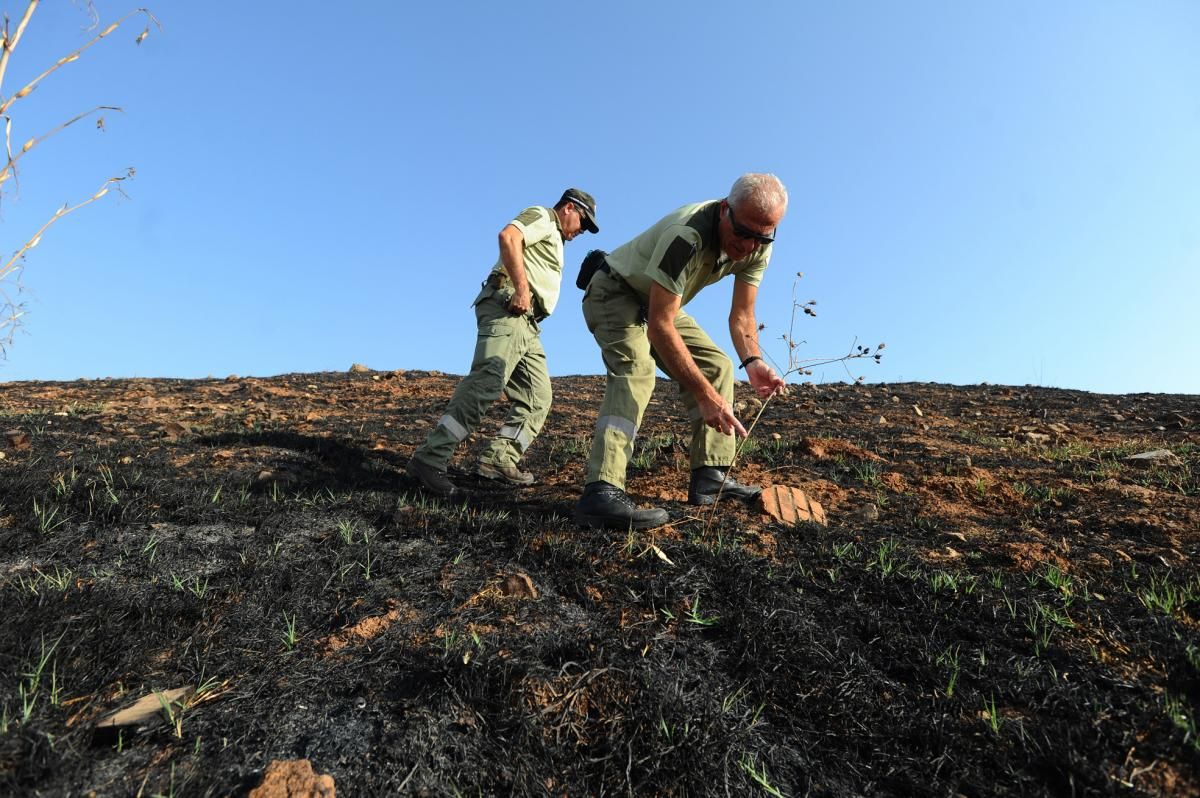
column 926, row 523
column 197, row 588
column 346, row 531
column 47, row 516
column 845, row 551
column 60, row 580
column 943, row 582
column 649, row 450
column 758, row 774
column 1164, row 595
column 1058, row 579
column 1178, row 711
column 868, row 472
column 885, row 557
column 1039, row 632
column 949, row 659
column 29, row 688
column 695, row 616
column 1068, row 452
column 151, row 547
column 993, row 717
column 1053, row 615
column 289, row 635
column 64, row 482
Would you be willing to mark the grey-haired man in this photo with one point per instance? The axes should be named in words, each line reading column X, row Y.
column 521, row 290
column 633, row 307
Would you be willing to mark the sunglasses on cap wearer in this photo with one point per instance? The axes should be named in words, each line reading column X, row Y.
column 745, row 232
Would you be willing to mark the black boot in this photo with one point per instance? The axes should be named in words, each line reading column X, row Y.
column 608, row 507
column 431, row 479
column 706, row 483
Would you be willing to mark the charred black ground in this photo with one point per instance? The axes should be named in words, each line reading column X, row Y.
column 1001, row 604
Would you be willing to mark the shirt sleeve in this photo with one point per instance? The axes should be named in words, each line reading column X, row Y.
column 673, row 253
column 534, row 224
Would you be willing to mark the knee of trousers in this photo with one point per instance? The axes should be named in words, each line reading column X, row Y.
column 720, row 374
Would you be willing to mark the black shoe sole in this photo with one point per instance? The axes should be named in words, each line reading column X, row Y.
column 709, row 499
column 608, row 522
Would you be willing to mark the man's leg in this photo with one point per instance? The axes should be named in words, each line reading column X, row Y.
column 501, row 340
column 530, row 394
column 614, row 316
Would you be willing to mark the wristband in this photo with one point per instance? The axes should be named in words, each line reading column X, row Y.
column 748, row 361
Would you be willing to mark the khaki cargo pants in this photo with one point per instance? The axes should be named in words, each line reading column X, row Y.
column 508, row 358
column 615, row 316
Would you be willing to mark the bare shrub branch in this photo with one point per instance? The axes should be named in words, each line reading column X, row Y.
column 11, row 312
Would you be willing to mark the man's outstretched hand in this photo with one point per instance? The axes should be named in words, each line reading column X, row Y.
column 718, row 414
column 764, row 380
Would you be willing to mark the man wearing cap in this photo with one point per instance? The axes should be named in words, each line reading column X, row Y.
column 520, row 292
column 633, row 307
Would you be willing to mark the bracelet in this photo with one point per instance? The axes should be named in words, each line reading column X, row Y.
column 748, row 361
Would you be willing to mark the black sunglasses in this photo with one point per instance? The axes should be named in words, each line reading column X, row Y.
column 744, row 232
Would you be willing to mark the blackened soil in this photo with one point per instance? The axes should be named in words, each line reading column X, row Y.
column 1001, row 603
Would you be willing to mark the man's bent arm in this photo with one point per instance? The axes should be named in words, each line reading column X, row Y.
column 743, row 329
column 512, row 256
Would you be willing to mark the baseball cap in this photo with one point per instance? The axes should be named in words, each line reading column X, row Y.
column 584, row 201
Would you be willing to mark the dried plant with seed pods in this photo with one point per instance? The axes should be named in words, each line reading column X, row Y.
column 10, row 267
column 795, row 365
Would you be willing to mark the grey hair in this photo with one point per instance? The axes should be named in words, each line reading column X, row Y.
column 759, row 192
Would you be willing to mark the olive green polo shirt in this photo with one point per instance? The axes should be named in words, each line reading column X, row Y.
column 543, row 255
column 682, row 253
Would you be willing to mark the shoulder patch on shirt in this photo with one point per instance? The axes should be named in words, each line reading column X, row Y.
column 529, row 216
column 704, row 222
column 677, row 256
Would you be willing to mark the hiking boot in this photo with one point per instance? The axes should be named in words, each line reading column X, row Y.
column 507, row 473
column 430, row 478
column 706, row 484
column 608, row 507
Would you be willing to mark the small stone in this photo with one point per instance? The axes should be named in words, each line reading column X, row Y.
column 1155, row 457
column 868, row 513
column 881, row 421
column 917, row 410
column 895, row 399
column 19, row 440
column 519, row 586
column 359, row 368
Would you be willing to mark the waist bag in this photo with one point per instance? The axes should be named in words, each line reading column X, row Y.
column 591, row 262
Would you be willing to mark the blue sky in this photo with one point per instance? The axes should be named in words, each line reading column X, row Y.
column 1005, row 192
